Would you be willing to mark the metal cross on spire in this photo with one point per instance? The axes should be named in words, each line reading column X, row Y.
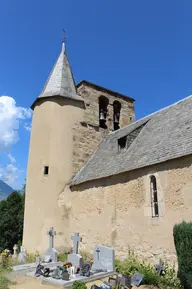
column 64, row 36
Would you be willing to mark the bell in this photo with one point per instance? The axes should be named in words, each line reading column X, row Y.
column 116, row 118
column 102, row 116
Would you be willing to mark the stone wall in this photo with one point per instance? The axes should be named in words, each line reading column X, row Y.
column 87, row 133
column 117, row 211
column 91, row 97
column 86, row 140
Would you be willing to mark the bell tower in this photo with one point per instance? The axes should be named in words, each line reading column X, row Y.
column 57, row 109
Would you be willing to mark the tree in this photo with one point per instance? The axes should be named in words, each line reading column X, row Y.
column 11, row 220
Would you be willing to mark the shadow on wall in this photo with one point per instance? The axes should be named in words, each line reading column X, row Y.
column 179, row 163
column 62, row 101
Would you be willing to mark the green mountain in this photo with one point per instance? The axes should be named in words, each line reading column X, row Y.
column 5, row 190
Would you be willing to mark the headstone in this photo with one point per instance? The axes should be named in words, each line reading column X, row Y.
column 37, row 261
column 76, row 239
column 136, row 279
column 65, row 276
column 113, row 281
column 104, row 258
column 125, row 281
column 85, row 269
column 39, row 270
column 160, row 269
column 22, row 255
column 50, row 254
column 75, row 259
column 106, row 285
column 15, row 250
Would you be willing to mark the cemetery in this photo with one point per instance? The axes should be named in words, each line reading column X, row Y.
column 100, row 272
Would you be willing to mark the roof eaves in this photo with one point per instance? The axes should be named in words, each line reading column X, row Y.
column 101, row 88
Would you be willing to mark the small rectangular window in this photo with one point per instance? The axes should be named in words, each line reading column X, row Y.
column 122, row 142
column 46, row 170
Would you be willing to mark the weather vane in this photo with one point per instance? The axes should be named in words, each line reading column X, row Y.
column 64, row 36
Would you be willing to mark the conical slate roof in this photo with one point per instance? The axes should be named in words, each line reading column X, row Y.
column 60, row 81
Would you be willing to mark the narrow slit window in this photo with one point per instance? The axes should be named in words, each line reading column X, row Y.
column 46, row 170
column 154, row 197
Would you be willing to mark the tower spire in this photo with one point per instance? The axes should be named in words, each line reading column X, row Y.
column 60, row 81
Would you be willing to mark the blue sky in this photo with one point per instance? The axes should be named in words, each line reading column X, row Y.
column 139, row 48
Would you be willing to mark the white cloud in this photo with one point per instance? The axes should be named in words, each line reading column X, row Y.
column 27, row 126
column 10, row 118
column 9, row 174
column 12, row 159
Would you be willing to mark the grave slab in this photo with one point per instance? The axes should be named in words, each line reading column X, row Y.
column 32, row 266
column 104, row 258
column 67, row 284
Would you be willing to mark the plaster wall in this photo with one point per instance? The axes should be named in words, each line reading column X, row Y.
column 117, row 211
column 51, row 145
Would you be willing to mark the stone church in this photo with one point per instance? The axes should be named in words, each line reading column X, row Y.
column 94, row 169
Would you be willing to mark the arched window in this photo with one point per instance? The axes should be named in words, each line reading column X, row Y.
column 154, row 197
column 103, row 104
column 116, row 114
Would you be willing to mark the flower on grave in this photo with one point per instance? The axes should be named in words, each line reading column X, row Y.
column 91, row 260
column 6, row 257
column 67, row 265
column 6, row 253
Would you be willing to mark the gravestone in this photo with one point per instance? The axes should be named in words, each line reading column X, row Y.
column 85, row 269
column 106, row 285
column 22, row 255
column 14, row 256
column 15, row 250
column 160, row 268
column 125, row 281
column 75, row 259
column 136, row 279
column 50, row 254
column 37, row 260
column 104, row 259
column 113, row 282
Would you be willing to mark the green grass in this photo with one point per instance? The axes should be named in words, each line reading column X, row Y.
column 62, row 257
column 4, row 282
column 85, row 255
column 133, row 264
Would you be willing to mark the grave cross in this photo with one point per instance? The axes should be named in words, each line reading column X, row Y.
column 98, row 251
column 15, row 250
column 76, row 239
column 51, row 234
